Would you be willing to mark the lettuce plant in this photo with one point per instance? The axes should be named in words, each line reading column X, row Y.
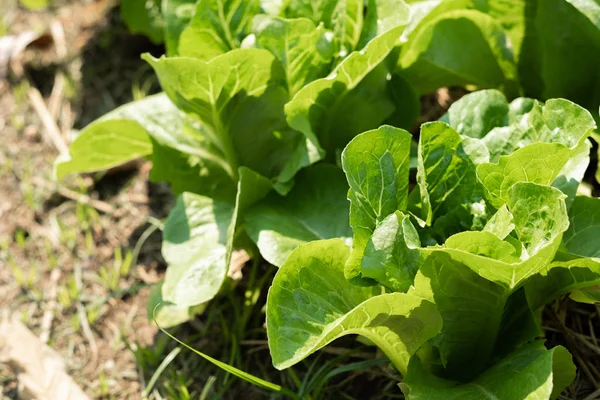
column 256, row 92
column 449, row 279
column 540, row 48
column 250, row 100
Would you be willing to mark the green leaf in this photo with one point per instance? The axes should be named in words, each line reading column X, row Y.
column 520, row 324
column 510, row 15
column 254, row 380
column 199, row 237
column 239, row 98
column 177, row 14
column 302, row 48
column 563, row 48
column 217, row 27
column 540, row 216
column 377, row 165
column 538, row 163
column 143, row 17
column 348, row 17
column 483, row 244
column 458, row 48
column 596, row 137
column 529, row 373
column 315, row 10
column 122, row 135
column 315, row 209
column 501, row 224
column 450, row 194
column 195, row 248
column 352, row 99
column 558, row 154
column 177, row 145
column 505, row 128
column 407, row 100
column 571, row 175
column 576, row 276
column 383, row 15
column 558, row 121
column 476, row 114
column 190, row 172
column 471, row 308
column 311, row 304
column 104, row 145
column 251, row 188
column 584, row 229
column 393, row 256
column 568, row 122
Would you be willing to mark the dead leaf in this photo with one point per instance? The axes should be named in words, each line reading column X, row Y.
column 238, row 259
column 40, row 370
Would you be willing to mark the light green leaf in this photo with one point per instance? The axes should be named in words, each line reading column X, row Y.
column 311, row 304
column 501, row 224
column 195, row 248
column 198, row 240
column 104, row 145
column 476, row 248
column 576, row 276
column 377, row 165
column 393, row 256
column 568, row 122
column 352, row 99
column 315, row 209
column 177, row 145
column 477, row 113
column 540, row 215
column 144, row 17
column 540, row 218
column 383, row 15
column 217, row 27
column 239, row 98
column 538, row 163
column 588, row 295
column 458, row 48
column 471, row 308
column 530, row 373
column 302, row 48
column 504, row 129
column 449, row 191
column 558, row 121
column 583, row 236
column 571, row 176
column 315, row 10
column 177, row 15
column 483, row 244
column 348, row 17
column 122, row 135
